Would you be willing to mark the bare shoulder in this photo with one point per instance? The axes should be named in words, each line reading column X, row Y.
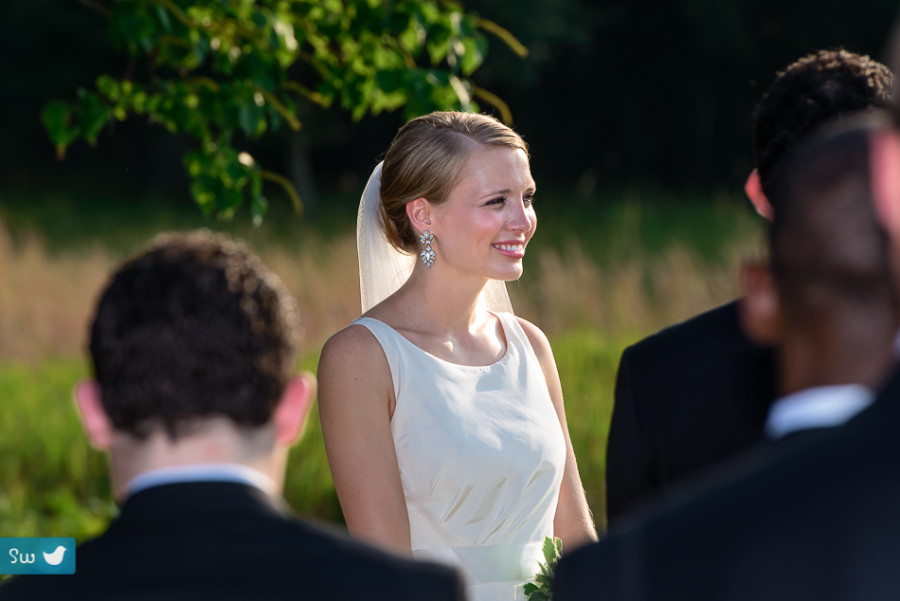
column 352, row 340
column 537, row 338
column 352, row 358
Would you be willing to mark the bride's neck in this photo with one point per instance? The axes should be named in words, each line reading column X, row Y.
column 443, row 306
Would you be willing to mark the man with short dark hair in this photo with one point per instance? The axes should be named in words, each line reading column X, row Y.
column 813, row 515
column 196, row 403
column 698, row 392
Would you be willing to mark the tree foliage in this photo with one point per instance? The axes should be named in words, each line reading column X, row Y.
column 226, row 71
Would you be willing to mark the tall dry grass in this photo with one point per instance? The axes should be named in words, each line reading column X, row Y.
column 571, row 291
column 46, row 298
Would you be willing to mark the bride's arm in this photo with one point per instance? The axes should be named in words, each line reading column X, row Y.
column 355, row 403
column 573, row 522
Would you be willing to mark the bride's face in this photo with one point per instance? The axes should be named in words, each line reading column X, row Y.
column 485, row 224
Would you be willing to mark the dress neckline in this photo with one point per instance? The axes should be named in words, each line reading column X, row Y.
column 407, row 341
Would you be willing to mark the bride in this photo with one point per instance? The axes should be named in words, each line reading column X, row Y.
column 442, row 412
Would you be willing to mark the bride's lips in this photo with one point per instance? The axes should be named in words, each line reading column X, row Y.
column 512, row 249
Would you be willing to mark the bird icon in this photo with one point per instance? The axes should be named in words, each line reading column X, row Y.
column 55, row 558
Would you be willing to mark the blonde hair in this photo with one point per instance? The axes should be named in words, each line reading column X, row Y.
column 425, row 159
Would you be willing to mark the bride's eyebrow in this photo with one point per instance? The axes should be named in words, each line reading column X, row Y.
column 506, row 191
column 495, row 193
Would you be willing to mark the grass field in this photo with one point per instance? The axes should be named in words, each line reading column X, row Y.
column 600, row 274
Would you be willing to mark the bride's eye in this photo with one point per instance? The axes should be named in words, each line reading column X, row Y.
column 528, row 199
column 499, row 201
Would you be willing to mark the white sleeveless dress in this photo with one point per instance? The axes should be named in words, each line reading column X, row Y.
column 481, row 455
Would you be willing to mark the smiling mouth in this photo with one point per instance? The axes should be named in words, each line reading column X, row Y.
column 511, row 250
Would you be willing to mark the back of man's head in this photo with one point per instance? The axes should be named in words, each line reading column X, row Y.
column 192, row 328
column 809, row 93
column 829, row 252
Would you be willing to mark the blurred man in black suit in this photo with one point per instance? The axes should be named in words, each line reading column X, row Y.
column 194, row 400
column 699, row 392
column 813, row 516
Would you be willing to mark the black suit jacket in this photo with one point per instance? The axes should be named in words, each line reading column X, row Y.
column 815, row 518
column 224, row 541
column 686, row 398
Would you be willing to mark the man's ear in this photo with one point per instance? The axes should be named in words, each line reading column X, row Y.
column 884, row 165
column 753, row 190
column 419, row 213
column 293, row 409
column 94, row 419
column 760, row 308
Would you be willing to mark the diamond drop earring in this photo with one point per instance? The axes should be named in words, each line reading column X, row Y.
column 427, row 255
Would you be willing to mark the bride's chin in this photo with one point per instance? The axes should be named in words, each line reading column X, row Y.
column 509, row 276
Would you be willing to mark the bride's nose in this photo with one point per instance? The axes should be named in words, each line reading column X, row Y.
column 521, row 218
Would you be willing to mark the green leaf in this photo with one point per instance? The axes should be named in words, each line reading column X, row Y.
column 57, row 117
column 412, row 37
column 163, row 15
column 389, row 80
column 541, row 588
column 109, row 87
column 549, row 549
column 250, row 117
column 472, row 55
column 438, row 44
column 93, row 115
column 139, row 102
column 132, row 27
column 203, row 195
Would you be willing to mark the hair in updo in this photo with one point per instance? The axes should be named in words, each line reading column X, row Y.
column 425, row 159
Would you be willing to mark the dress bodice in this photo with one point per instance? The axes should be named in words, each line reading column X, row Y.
column 481, row 456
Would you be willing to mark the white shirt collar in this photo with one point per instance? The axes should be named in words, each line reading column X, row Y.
column 816, row 407
column 201, row 472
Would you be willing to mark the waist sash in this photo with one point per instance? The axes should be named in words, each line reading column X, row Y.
column 513, row 563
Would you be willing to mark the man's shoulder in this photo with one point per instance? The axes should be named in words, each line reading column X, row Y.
column 716, row 325
column 645, row 555
column 285, row 558
column 242, row 542
column 706, row 363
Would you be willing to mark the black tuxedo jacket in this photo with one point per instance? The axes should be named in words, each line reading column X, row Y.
column 686, row 398
column 224, row 541
column 817, row 517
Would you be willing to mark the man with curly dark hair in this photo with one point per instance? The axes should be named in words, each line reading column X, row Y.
column 698, row 392
column 195, row 327
column 196, row 401
column 811, row 91
column 813, row 515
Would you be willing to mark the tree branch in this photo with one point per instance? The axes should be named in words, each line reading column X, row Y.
column 310, row 95
column 504, row 34
column 177, row 12
column 287, row 115
column 288, row 187
column 496, row 102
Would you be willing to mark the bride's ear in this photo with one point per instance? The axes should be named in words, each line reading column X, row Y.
column 419, row 213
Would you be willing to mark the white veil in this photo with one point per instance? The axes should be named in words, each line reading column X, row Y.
column 383, row 268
